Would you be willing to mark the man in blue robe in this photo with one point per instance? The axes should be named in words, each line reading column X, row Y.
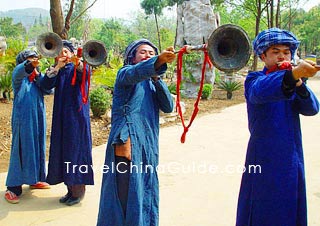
column 275, row 195
column 28, row 122
column 130, row 189
column 70, row 156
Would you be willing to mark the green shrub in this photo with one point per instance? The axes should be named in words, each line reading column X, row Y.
column 6, row 85
column 229, row 86
column 207, row 91
column 100, row 101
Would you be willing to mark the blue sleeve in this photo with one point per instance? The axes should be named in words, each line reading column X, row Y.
column 163, row 96
column 39, row 84
column 133, row 74
column 18, row 74
column 307, row 106
column 48, row 83
column 261, row 88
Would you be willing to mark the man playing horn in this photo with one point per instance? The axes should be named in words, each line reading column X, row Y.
column 275, row 97
column 130, row 193
column 70, row 157
column 28, row 149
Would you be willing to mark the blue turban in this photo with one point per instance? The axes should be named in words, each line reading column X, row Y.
column 132, row 48
column 67, row 44
column 275, row 36
column 23, row 55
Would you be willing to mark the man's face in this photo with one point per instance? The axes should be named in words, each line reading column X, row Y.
column 65, row 53
column 143, row 52
column 276, row 54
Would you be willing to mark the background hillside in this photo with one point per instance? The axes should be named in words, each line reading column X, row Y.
column 27, row 16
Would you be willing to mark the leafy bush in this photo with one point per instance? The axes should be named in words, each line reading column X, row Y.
column 207, row 91
column 6, row 85
column 100, row 101
column 230, row 86
column 106, row 74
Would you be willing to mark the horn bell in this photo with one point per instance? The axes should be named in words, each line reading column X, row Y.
column 49, row 44
column 229, row 48
column 94, row 52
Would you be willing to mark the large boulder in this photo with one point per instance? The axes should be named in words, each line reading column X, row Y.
column 196, row 22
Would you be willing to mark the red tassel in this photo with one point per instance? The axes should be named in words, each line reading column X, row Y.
column 32, row 76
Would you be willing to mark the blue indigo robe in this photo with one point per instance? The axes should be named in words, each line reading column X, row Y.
column 28, row 122
column 276, row 195
column 135, row 114
column 70, row 142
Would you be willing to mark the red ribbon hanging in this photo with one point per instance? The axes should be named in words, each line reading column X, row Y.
column 206, row 61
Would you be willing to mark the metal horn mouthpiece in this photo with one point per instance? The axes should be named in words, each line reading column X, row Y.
column 94, row 52
column 49, row 44
column 229, row 48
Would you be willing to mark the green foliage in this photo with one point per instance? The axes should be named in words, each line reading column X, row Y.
column 45, row 63
column 207, row 91
column 5, row 84
column 217, row 77
column 189, row 62
column 9, row 29
column 100, row 101
column 306, row 27
column 152, row 6
column 230, row 86
column 144, row 27
column 78, row 28
column 106, row 74
column 116, row 35
column 173, row 87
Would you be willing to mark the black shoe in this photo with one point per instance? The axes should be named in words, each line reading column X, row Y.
column 65, row 198
column 72, row 201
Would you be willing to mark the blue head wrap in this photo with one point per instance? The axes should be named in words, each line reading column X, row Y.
column 275, row 36
column 23, row 55
column 67, row 44
column 132, row 48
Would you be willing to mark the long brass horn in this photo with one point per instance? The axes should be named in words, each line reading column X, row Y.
column 94, row 52
column 229, row 48
column 49, row 44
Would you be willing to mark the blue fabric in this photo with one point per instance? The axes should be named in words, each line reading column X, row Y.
column 274, row 36
column 277, row 195
column 28, row 122
column 71, row 132
column 135, row 113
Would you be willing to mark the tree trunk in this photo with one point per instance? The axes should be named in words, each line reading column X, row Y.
column 278, row 14
column 229, row 95
column 157, row 25
column 258, row 18
column 56, row 15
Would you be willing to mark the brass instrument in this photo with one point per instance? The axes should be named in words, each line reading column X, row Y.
column 50, row 44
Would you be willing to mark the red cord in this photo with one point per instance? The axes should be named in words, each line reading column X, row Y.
column 32, row 76
column 206, row 61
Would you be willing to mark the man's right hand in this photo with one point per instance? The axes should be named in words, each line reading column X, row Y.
column 305, row 68
column 167, row 56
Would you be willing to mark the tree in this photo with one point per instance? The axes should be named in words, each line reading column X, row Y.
column 79, row 26
column 154, row 7
column 61, row 25
column 8, row 29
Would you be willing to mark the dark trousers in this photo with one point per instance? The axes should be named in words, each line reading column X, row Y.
column 123, row 176
column 77, row 191
column 16, row 190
